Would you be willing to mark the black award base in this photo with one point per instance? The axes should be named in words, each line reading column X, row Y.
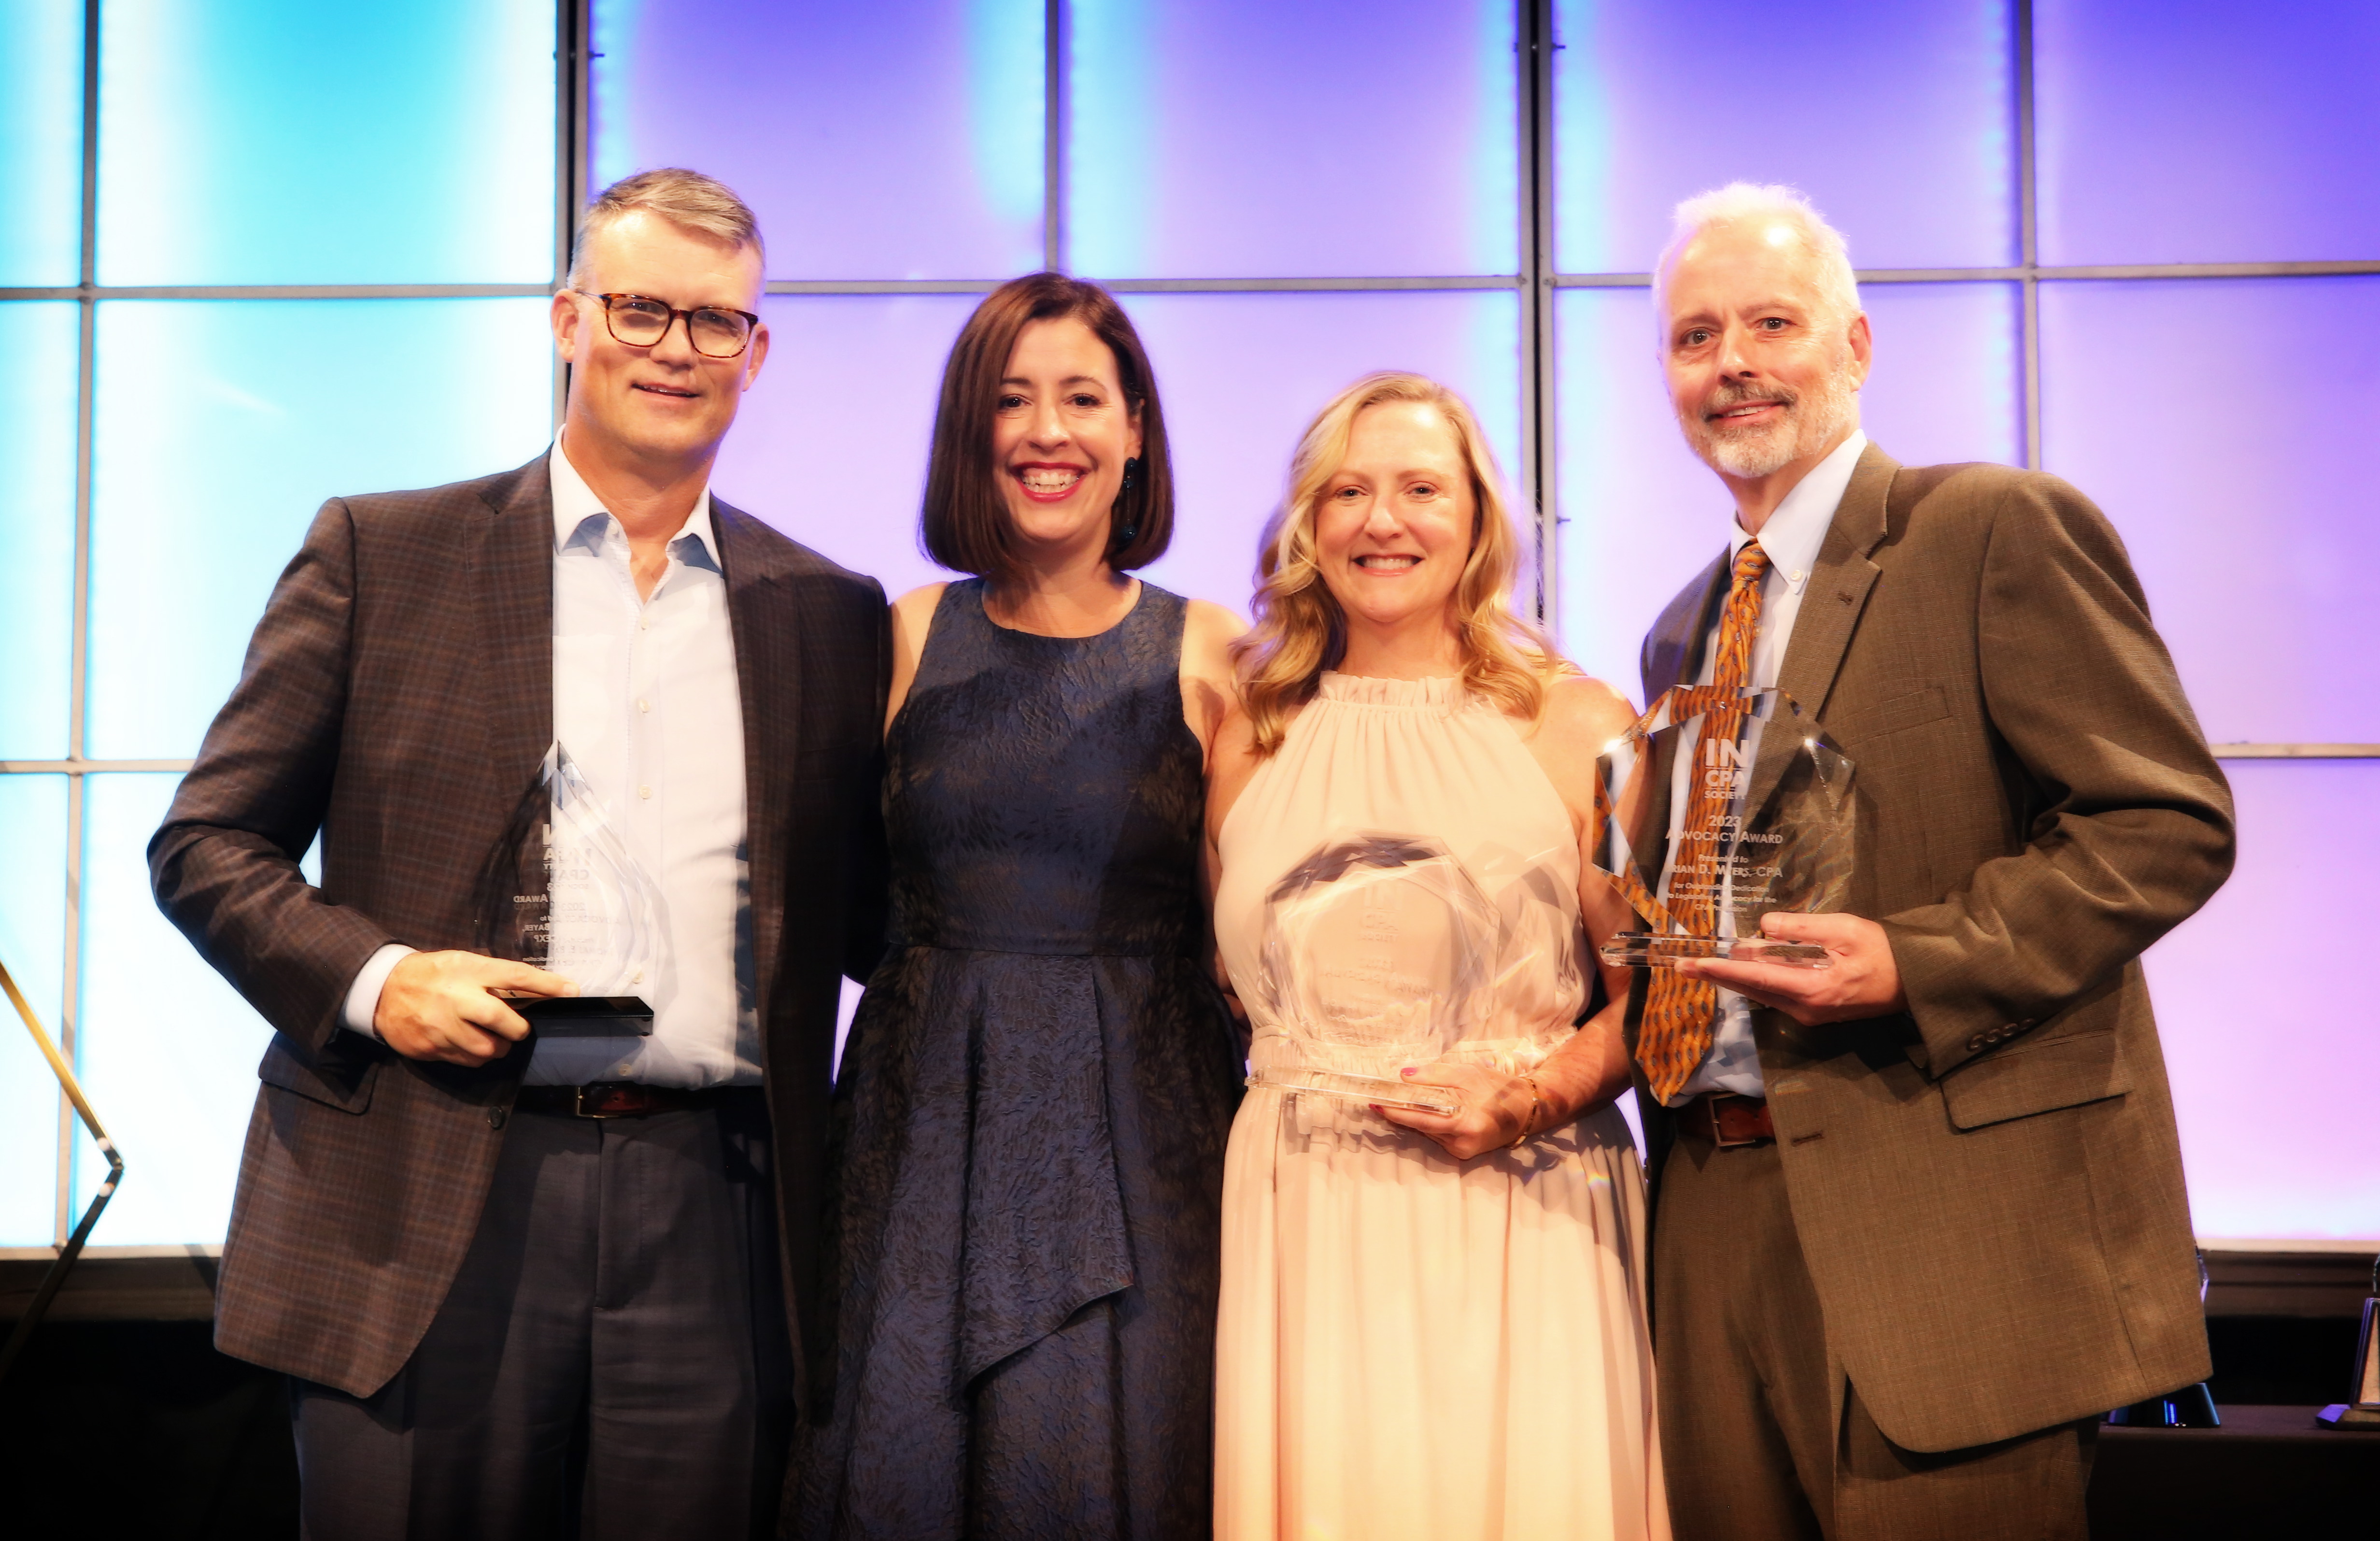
column 589, row 1016
column 2338, row 1414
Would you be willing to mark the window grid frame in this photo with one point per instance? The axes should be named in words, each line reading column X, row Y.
column 1538, row 283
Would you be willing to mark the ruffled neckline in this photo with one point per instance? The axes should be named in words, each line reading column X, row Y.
column 1442, row 694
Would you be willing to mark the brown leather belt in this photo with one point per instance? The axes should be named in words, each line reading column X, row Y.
column 1728, row 1119
column 622, row 1098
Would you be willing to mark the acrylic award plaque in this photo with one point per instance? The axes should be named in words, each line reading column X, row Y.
column 1718, row 807
column 1379, row 953
column 2363, row 1413
column 560, row 891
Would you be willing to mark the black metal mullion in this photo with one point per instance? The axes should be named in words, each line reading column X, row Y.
column 1054, row 139
column 1541, row 409
column 79, row 645
column 2028, row 242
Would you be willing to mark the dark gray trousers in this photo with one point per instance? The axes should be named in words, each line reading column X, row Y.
column 613, row 1360
column 1751, row 1442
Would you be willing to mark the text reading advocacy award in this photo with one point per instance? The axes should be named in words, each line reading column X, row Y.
column 1377, row 954
column 560, row 892
column 1718, row 807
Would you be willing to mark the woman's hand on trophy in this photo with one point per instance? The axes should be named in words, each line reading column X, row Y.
column 1492, row 1111
column 450, row 1006
column 1860, row 979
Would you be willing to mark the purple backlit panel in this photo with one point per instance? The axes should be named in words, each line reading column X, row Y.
column 1641, row 515
column 2241, row 478
column 1242, row 375
column 1897, row 119
column 1298, row 137
column 2273, row 1067
column 896, row 139
column 830, row 445
column 2207, row 131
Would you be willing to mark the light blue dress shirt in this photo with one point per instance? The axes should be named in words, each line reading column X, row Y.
column 646, row 700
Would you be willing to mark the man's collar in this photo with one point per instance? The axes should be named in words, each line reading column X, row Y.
column 575, row 504
column 1798, row 528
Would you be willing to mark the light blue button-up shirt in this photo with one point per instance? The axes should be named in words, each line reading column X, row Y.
column 645, row 701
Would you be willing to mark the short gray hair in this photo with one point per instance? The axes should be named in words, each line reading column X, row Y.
column 1738, row 202
column 703, row 204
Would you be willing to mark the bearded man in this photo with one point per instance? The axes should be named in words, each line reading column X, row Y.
column 1918, row 1215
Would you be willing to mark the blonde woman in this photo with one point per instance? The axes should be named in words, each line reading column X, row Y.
column 1431, row 1325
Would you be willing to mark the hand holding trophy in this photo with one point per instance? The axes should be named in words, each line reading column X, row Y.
column 1378, row 950
column 560, row 891
column 1717, row 808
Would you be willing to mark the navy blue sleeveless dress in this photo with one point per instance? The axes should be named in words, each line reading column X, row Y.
column 1033, row 1108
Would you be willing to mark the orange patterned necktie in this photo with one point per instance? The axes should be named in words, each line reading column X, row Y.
column 1681, row 1013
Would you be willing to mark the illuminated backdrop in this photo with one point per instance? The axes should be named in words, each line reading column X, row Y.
column 261, row 252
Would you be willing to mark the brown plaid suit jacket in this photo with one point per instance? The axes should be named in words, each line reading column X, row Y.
column 1988, row 1188
column 397, row 697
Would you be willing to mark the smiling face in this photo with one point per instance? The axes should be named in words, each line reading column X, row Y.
column 1763, row 371
column 666, row 404
column 1060, row 432
column 1393, row 527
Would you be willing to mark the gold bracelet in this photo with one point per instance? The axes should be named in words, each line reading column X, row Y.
column 1528, row 1125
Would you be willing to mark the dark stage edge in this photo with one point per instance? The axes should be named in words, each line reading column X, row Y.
column 2267, row 1472
column 141, row 1429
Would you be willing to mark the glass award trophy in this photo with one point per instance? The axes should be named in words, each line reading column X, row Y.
column 2363, row 1413
column 1379, row 953
column 1717, row 808
column 560, row 892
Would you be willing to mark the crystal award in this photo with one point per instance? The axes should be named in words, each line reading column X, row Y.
column 560, row 891
column 1715, row 809
column 1379, row 953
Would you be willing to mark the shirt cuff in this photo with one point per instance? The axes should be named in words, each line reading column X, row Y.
column 363, row 996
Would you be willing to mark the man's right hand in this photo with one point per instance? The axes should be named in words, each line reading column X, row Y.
column 440, row 1006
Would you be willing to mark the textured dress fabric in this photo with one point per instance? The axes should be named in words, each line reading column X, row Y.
column 1033, row 1108
column 1411, row 1346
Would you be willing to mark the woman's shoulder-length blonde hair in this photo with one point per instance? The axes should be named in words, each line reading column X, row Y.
column 1299, row 630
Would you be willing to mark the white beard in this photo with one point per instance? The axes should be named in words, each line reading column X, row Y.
column 1809, row 423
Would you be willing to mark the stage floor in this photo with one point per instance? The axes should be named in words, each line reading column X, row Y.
column 2267, row 1472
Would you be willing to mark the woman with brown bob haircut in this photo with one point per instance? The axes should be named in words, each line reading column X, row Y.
column 1032, row 1107
column 1432, row 1321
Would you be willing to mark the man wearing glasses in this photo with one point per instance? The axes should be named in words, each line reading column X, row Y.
column 534, row 1284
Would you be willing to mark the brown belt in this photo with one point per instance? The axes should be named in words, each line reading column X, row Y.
column 1726, row 1119
column 622, row 1098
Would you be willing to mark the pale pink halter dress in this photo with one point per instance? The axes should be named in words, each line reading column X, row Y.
column 1409, row 1345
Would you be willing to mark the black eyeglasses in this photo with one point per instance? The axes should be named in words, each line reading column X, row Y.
column 716, row 333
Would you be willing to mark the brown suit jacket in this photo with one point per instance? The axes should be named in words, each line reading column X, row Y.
column 1988, row 1188
column 397, row 697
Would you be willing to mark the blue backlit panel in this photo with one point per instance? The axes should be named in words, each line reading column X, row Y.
column 221, row 425
column 167, row 1049
column 2240, row 475
column 41, row 142
column 32, row 944
column 2273, row 1068
column 37, row 514
column 830, row 445
column 1642, row 515
column 1242, row 375
column 283, row 142
column 898, row 140
column 2202, row 131
column 1898, row 120
column 1293, row 139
